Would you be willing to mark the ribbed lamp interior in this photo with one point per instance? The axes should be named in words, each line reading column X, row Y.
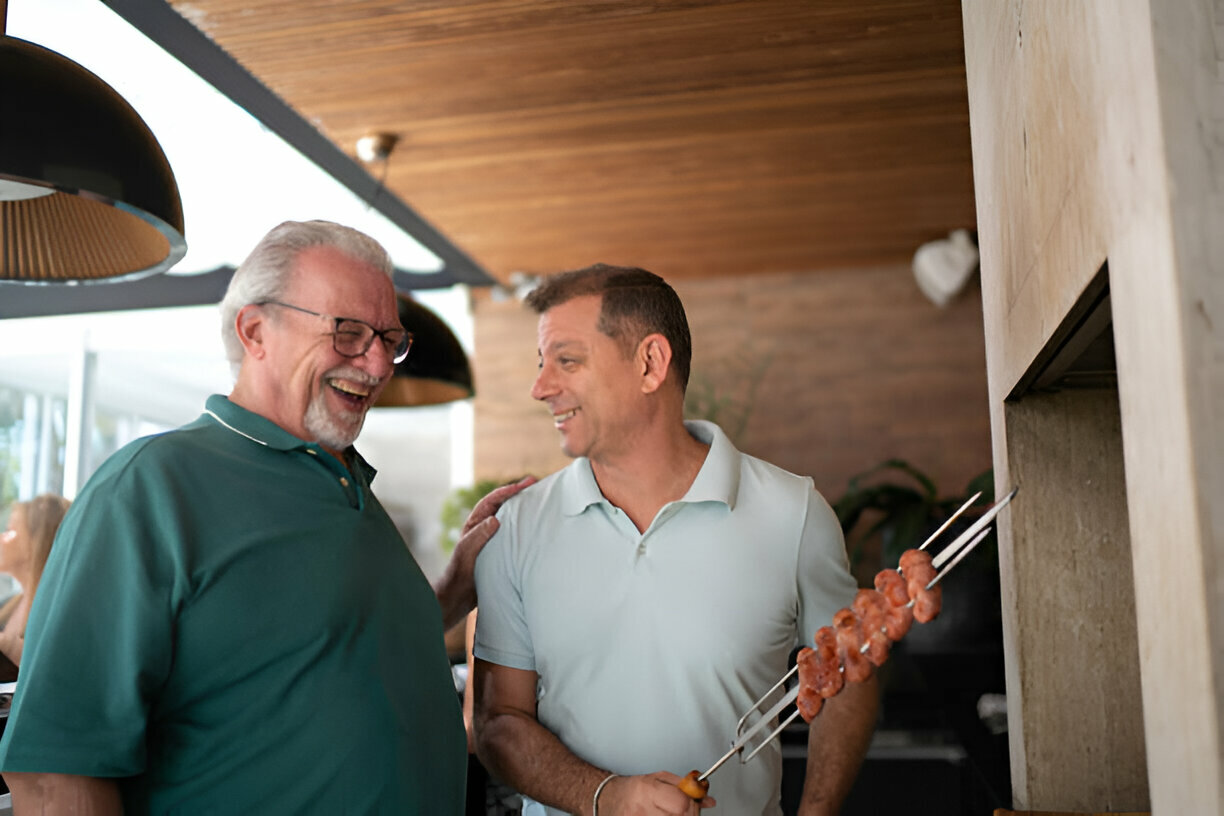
column 63, row 237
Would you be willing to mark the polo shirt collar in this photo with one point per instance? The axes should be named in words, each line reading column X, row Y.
column 264, row 431
column 719, row 477
column 717, row 481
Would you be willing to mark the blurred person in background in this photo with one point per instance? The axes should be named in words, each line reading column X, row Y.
column 24, row 548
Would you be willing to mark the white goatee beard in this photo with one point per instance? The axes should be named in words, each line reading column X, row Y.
column 330, row 431
column 336, row 430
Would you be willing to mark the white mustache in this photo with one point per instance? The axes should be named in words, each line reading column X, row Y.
column 347, row 372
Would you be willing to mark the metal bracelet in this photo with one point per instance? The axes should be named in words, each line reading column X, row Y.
column 599, row 790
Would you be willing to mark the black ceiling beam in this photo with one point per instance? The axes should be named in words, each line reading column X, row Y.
column 156, row 291
column 158, row 21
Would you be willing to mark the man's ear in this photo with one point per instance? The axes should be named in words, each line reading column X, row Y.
column 249, row 324
column 655, row 354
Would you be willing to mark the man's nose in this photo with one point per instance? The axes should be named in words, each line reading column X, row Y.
column 379, row 362
column 543, row 387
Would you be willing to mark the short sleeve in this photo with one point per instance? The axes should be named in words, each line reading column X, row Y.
column 98, row 642
column 502, row 635
column 823, row 574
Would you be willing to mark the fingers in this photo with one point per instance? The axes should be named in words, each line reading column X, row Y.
column 493, row 500
column 693, row 805
column 472, row 541
column 657, row 793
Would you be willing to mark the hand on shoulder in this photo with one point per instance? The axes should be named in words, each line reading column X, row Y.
column 456, row 589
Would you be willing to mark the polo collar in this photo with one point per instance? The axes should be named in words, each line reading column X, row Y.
column 719, row 477
column 717, row 481
column 261, row 430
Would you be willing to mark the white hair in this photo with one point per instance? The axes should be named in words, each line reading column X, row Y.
column 265, row 273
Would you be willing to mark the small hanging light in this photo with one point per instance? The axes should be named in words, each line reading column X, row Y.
column 86, row 193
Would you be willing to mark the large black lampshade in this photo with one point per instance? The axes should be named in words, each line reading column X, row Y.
column 436, row 370
column 86, row 193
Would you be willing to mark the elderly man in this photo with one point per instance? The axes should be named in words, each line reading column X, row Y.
column 634, row 604
column 230, row 622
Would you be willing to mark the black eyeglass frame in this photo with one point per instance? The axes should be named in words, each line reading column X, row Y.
column 398, row 354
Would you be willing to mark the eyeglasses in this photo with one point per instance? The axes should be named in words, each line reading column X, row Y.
column 353, row 338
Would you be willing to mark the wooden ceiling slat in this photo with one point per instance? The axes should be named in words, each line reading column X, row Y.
column 716, row 137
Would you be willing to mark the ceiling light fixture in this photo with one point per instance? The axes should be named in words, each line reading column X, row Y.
column 86, row 193
column 376, row 146
column 943, row 267
column 436, row 369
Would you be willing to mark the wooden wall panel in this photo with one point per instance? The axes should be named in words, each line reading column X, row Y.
column 1171, row 370
column 857, row 367
column 1096, row 130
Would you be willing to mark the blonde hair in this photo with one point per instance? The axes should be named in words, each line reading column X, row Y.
column 43, row 515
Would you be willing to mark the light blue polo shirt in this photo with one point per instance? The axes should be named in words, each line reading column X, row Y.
column 229, row 622
column 649, row 646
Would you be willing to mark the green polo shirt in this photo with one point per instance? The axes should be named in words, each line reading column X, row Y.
column 230, row 623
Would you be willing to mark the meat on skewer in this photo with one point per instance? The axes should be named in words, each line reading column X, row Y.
column 915, row 559
column 900, row 615
column 892, row 586
column 820, row 674
column 849, row 646
column 916, row 564
column 872, row 609
column 898, row 620
column 876, row 619
column 829, row 679
column 861, row 634
column 809, row 700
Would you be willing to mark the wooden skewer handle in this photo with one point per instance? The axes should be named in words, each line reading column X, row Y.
column 692, row 788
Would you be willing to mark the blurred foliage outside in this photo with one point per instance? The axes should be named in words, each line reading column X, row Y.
column 727, row 396
column 456, row 507
column 11, row 430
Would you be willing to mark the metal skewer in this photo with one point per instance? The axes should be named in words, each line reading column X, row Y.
column 977, row 539
column 951, row 519
column 951, row 555
column 765, row 720
column 986, row 518
column 739, row 727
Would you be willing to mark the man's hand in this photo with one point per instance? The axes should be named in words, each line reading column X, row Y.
column 456, row 589
column 653, row 794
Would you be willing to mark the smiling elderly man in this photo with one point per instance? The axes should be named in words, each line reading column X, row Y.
column 230, row 622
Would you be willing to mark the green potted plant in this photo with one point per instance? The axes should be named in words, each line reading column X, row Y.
column 898, row 513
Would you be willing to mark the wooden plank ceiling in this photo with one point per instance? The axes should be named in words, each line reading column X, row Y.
column 693, row 138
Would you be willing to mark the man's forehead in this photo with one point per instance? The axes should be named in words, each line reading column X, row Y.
column 555, row 345
column 351, row 287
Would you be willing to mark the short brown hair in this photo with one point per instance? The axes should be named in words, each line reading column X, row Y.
column 634, row 303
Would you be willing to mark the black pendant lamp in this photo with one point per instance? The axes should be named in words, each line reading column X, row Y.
column 436, row 370
column 86, row 193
